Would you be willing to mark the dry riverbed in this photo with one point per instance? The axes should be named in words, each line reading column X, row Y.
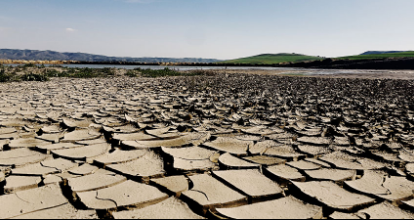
column 224, row 145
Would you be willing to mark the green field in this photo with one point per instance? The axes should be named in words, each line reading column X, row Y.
column 379, row 56
column 269, row 59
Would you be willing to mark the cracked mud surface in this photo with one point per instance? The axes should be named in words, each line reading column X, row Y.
column 218, row 146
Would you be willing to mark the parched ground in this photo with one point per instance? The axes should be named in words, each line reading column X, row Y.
column 217, row 146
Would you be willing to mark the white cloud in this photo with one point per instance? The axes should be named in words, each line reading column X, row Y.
column 70, row 30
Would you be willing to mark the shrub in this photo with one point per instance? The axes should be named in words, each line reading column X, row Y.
column 108, row 71
column 34, row 77
column 131, row 73
column 84, row 73
column 3, row 76
column 29, row 65
column 162, row 73
column 55, row 73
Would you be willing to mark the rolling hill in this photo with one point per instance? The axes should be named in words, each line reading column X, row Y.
column 380, row 52
column 52, row 55
column 270, row 59
column 380, row 55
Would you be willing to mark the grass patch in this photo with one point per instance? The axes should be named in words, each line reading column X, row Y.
column 85, row 73
column 163, row 72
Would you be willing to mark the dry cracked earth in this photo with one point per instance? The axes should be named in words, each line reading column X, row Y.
column 219, row 146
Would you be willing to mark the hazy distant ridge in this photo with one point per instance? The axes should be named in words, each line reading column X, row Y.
column 53, row 55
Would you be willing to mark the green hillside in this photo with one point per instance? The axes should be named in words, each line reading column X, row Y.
column 270, row 59
column 380, row 56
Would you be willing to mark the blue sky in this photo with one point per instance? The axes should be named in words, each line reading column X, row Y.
column 222, row 29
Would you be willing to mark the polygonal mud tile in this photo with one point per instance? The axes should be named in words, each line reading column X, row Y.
column 260, row 147
column 315, row 140
column 331, row 174
column 129, row 128
column 285, row 172
column 385, row 210
column 250, row 182
column 32, row 200
column 388, row 157
column 7, row 130
column 22, row 152
column 381, row 185
column 52, row 129
column 83, row 153
column 28, row 158
column 284, row 208
column 19, row 183
column 132, row 137
column 341, row 215
column 189, row 153
column 230, row 145
column 409, row 168
column 159, row 131
column 9, row 136
column 333, row 196
column 406, row 156
column 313, row 150
column 345, row 161
column 209, row 193
column 81, row 135
column 259, row 131
column 100, row 140
column 27, row 143
column 284, row 138
column 229, row 161
column 66, row 211
column 284, row 151
column 189, row 166
column 304, row 165
column 316, row 161
column 59, row 164
column 265, row 160
column 191, row 138
column 119, row 156
column 13, row 123
column 52, row 179
column 77, row 123
column 148, row 166
column 248, row 137
column 84, row 169
column 126, row 194
column 59, row 146
column 36, row 169
column 171, row 208
column 173, row 184
column 94, row 182
column 54, row 138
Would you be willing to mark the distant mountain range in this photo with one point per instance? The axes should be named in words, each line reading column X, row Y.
column 53, row 55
